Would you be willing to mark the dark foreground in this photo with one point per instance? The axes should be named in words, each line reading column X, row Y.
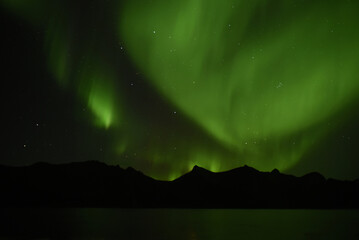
column 176, row 224
column 94, row 184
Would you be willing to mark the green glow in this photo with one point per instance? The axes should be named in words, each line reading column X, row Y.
column 252, row 82
column 56, row 38
column 33, row 10
column 96, row 84
column 101, row 104
column 92, row 80
column 58, row 49
column 247, row 73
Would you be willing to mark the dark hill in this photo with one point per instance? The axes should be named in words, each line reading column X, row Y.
column 95, row 184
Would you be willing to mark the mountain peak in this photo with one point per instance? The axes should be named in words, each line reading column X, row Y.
column 197, row 169
column 314, row 177
column 275, row 171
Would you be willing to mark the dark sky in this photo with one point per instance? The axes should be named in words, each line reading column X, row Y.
column 164, row 85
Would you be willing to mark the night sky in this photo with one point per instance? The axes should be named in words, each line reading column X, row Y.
column 164, row 85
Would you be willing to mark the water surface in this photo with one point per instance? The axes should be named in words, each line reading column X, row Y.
column 41, row 223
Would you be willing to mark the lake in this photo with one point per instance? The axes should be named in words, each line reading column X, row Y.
column 191, row 224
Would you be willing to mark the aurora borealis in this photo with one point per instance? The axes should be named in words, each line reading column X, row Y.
column 164, row 85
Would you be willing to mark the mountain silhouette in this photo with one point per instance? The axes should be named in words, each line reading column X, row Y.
column 95, row 184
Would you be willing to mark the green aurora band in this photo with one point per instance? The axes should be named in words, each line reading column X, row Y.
column 246, row 72
column 262, row 78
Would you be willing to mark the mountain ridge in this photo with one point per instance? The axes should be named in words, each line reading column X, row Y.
column 96, row 184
